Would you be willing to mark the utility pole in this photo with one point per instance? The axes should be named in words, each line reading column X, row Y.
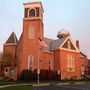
column 38, row 71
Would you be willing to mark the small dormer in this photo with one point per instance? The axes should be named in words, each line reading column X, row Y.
column 33, row 10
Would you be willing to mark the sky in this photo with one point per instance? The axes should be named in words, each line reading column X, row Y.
column 74, row 15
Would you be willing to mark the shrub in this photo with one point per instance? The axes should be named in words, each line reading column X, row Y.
column 26, row 75
column 7, row 79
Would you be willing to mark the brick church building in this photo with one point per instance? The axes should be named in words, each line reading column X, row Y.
column 62, row 55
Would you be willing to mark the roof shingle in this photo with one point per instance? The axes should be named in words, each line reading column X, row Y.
column 12, row 39
column 53, row 44
column 57, row 43
column 48, row 42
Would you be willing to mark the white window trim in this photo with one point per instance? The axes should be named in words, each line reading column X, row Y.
column 6, row 68
column 6, row 73
column 12, row 71
column 31, row 9
column 69, row 45
column 70, row 63
column 29, row 62
column 50, row 63
column 31, row 27
column 69, row 38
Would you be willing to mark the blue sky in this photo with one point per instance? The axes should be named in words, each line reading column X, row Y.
column 71, row 14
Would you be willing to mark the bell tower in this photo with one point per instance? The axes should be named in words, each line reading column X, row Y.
column 32, row 30
column 33, row 19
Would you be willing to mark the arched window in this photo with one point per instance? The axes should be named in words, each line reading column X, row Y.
column 69, row 45
column 30, row 62
column 32, row 12
column 50, row 64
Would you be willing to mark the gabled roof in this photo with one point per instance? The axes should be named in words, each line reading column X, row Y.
column 48, row 42
column 12, row 39
column 74, row 44
column 55, row 44
column 58, row 44
column 82, row 55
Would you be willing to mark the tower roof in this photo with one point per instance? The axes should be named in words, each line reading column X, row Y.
column 33, row 4
column 12, row 39
column 63, row 33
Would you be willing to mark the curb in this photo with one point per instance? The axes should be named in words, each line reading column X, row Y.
column 70, row 83
column 13, row 85
column 60, row 84
column 77, row 83
column 47, row 84
column 36, row 85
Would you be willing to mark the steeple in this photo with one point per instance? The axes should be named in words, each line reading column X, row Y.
column 12, row 39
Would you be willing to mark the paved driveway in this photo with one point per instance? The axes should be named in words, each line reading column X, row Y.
column 64, row 87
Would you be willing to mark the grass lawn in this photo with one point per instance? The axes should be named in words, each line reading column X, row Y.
column 26, row 87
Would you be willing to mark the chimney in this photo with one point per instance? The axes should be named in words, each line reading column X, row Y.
column 77, row 44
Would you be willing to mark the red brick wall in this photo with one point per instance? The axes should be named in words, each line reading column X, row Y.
column 19, row 53
column 56, row 56
column 12, row 50
column 28, row 46
column 83, row 61
column 13, row 75
column 44, row 61
column 78, row 62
